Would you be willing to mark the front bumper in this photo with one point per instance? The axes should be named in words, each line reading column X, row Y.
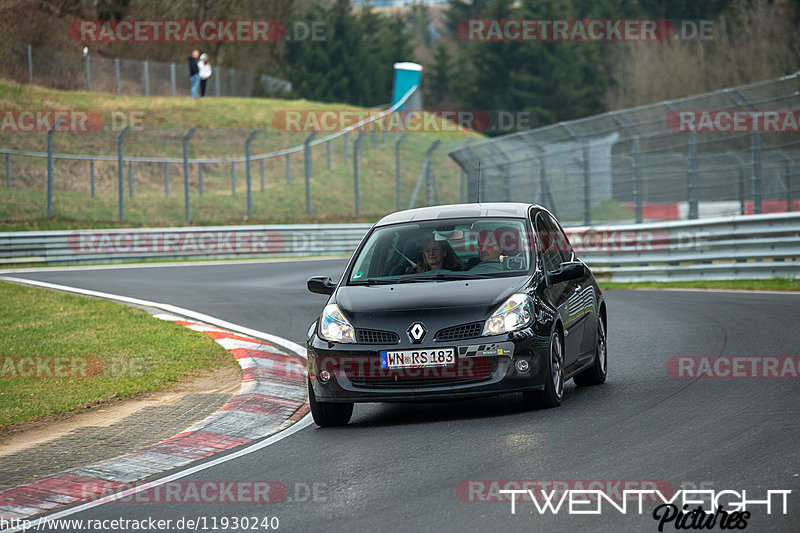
column 484, row 366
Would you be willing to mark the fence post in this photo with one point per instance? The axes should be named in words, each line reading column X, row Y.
column 787, row 172
column 637, row 180
column 51, row 168
column 30, row 64
column 130, row 179
column 146, row 80
column 216, row 83
column 172, row 77
column 200, row 178
column 328, row 154
column 755, row 151
column 308, row 168
column 397, row 190
column 166, row 180
column 8, row 171
column 345, row 148
column 91, row 175
column 116, row 74
column 356, row 146
column 263, row 180
column 692, row 182
column 186, row 172
column 464, row 176
column 740, row 181
column 88, row 72
column 288, row 170
column 233, row 178
column 587, row 188
column 429, row 183
column 121, row 172
column 423, row 174
column 247, row 173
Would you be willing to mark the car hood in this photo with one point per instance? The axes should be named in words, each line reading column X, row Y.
column 436, row 303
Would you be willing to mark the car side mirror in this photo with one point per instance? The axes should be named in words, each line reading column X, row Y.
column 566, row 272
column 321, row 285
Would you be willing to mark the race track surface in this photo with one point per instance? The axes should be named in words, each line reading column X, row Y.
column 408, row 467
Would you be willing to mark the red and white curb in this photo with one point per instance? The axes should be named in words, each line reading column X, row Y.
column 271, row 399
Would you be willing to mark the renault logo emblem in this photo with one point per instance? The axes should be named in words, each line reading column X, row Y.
column 416, row 332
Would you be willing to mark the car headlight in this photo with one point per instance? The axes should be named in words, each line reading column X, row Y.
column 334, row 327
column 514, row 314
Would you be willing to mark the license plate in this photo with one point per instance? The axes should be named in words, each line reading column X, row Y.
column 418, row 358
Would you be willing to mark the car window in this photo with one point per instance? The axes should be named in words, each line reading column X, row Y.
column 548, row 240
column 564, row 246
column 459, row 248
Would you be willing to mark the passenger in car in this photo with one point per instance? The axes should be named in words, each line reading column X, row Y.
column 437, row 255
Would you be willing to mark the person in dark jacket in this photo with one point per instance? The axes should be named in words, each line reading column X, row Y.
column 194, row 74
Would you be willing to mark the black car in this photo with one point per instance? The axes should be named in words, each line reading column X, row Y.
column 453, row 302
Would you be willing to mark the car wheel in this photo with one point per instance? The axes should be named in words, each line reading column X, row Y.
column 328, row 414
column 554, row 384
column 596, row 374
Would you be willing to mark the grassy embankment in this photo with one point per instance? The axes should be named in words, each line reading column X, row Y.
column 62, row 353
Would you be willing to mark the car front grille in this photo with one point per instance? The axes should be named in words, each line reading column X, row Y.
column 464, row 331
column 466, row 371
column 376, row 336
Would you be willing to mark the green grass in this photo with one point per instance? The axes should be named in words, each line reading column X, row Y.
column 225, row 124
column 114, row 352
column 775, row 284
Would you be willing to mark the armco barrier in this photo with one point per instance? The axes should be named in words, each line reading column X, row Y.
column 740, row 247
column 148, row 244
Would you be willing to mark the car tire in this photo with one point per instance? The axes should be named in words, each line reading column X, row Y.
column 596, row 374
column 328, row 414
column 553, row 391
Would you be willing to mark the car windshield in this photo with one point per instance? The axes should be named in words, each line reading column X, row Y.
column 441, row 250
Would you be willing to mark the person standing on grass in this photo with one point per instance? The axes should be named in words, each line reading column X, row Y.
column 194, row 73
column 205, row 73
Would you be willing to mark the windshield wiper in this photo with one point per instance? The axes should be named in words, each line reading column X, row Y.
column 446, row 276
column 375, row 281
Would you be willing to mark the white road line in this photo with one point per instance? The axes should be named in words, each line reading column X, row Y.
column 280, row 341
column 297, row 426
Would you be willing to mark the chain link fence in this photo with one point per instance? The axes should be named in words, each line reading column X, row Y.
column 71, row 72
column 728, row 152
column 171, row 176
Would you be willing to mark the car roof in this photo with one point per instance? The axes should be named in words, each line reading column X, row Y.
column 493, row 209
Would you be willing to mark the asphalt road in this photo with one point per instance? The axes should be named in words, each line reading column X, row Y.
column 398, row 467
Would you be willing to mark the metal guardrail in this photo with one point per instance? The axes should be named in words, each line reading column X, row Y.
column 157, row 244
column 740, row 247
